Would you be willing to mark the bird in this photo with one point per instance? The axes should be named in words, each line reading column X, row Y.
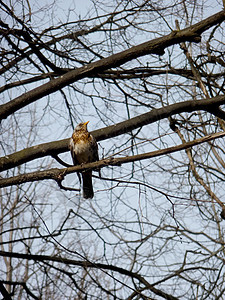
column 84, row 149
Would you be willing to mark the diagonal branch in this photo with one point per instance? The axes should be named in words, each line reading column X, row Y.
column 56, row 147
column 59, row 174
column 88, row 264
column 4, row 292
column 155, row 46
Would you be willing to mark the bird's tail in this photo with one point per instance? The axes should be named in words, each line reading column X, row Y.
column 87, row 185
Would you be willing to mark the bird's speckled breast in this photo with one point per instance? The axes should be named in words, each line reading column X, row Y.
column 82, row 145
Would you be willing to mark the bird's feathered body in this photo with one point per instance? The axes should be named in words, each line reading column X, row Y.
column 84, row 149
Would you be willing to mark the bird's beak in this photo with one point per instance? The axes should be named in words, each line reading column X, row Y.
column 86, row 122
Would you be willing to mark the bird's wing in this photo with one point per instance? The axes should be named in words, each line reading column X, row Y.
column 75, row 162
column 71, row 147
column 94, row 147
column 95, row 156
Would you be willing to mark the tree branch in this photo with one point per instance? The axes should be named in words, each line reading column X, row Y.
column 56, row 147
column 88, row 264
column 4, row 292
column 155, row 46
column 59, row 174
column 23, row 284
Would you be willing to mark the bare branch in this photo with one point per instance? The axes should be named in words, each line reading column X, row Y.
column 54, row 148
column 88, row 264
column 59, row 174
column 155, row 46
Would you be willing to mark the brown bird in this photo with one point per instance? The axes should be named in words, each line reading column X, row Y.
column 84, row 149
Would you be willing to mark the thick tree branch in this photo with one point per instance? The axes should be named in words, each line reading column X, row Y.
column 4, row 292
column 71, row 35
column 56, row 147
column 111, row 74
column 155, row 46
column 23, row 284
column 88, row 264
column 115, row 74
column 59, row 174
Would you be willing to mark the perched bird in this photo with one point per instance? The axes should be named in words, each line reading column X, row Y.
column 84, row 149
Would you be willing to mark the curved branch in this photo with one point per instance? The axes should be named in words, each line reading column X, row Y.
column 71, row 35
column 59, row 174
column 4, row 292
column 112, row 74
column 88, row 264
column 23, row 284
column 56, row 147
column 155, row 46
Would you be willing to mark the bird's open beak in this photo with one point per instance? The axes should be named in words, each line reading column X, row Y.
column 86, row 122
